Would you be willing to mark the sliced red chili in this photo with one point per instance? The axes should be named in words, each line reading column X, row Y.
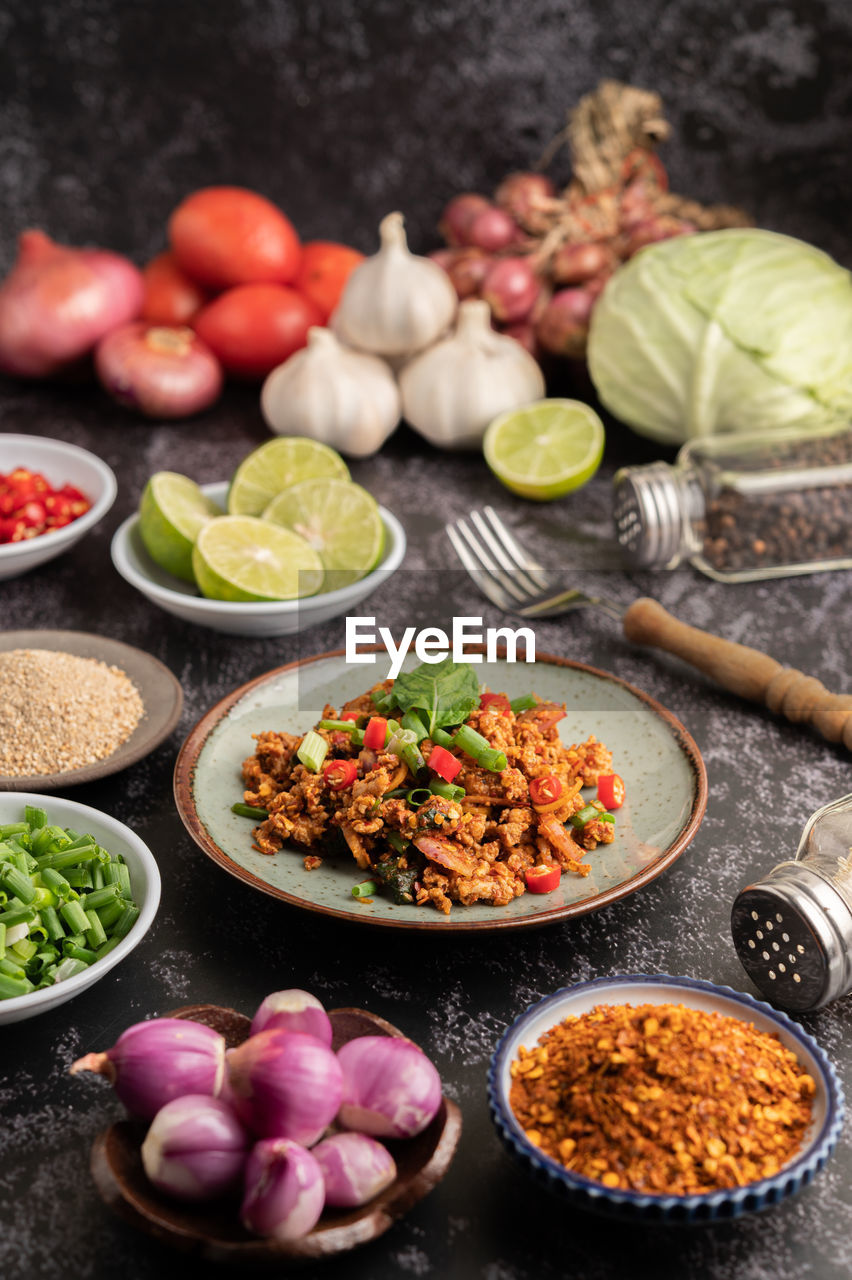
column 495, row 702
column 442, row 762
column 542, row 879
column 349, row 715
column 29, row 505
column 376, row 732
column 340, row 773
column 611, row 790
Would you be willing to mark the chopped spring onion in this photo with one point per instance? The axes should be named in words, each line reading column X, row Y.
column 15, row 882
column 442, row 738
column 249, row 811
column 418, row 796
column 479, row 749
column 312, row 751
column 338, row 726
column 448, row 790
column 383, row 700
column 584, row 815
column 403, row 743
column 366, row 889
column 526, row 702
column 412, row 721
column 68, row 968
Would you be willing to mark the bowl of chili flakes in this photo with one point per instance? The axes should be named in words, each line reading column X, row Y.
column 51, row 494
column 637, row 1097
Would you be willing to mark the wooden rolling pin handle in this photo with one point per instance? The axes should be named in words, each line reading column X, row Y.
column 744, row 671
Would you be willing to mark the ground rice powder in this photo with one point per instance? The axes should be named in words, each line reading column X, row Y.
column 61, row 712
column 662, row 1099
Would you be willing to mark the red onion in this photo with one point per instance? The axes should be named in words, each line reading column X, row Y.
column 153, row 1062
column 354, row 1168
column 293, row 1011
column 285, row 1085
column 510, row 288
column 563, row 326
column 390, row 1088
column 521, row 194
column 467, row 271
column 284, row 1190
column 458, row 216
column 577, row 263
column 195, row 1149
column 492, row 230
column 652, row 230
column 57, row 302
column 161, row 372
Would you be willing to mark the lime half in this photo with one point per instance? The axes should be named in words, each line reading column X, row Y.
column 277, row 464
column 242, row 558
column 172, row 513
column 545, row 449
column 339, row 519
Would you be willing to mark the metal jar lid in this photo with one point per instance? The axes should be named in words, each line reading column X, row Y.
column 793, row 935
column 651, row 505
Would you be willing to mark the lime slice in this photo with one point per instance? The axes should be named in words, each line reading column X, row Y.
column 339, row 519
column 280, row 462
column 546, row 449
column 242, row 558
column 172, row 513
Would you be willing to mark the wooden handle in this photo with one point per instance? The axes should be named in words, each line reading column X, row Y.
column 747, row 672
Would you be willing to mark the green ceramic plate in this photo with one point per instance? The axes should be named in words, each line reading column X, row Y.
column 662, row 768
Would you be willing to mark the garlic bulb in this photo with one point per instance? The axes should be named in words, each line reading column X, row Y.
column 451, row 392
column 396, row 302
column 344, row 398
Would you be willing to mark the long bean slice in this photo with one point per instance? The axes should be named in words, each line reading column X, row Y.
column 249, row 811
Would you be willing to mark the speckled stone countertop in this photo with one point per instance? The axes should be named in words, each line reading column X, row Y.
column 85, row 134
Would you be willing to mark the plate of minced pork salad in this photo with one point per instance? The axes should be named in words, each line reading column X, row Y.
column 473, row 795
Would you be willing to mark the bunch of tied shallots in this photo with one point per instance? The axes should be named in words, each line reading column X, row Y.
column 541, row 257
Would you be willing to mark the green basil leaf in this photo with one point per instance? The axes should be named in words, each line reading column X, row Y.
column 446, row 691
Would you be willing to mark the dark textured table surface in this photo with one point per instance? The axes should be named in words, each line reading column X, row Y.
column 758, row 96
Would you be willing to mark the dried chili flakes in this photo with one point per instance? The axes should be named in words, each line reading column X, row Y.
column 662, row 1099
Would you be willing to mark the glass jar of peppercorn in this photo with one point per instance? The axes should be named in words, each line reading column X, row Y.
column 741, row 508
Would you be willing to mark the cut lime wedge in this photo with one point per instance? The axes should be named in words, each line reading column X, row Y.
column 172, row 513
column 243, row 558
column 277, row 464
column 545, row 449
column 339, row 519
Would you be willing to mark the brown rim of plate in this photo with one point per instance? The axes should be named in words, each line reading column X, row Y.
column 184, row 799
column 159, row 689
column 200, row 1229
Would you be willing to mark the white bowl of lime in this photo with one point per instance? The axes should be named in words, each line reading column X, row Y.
column 242, row 555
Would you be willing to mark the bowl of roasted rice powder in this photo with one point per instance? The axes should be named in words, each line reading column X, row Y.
column 657, row 1098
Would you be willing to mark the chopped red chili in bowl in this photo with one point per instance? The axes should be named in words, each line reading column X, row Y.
column 30, row 505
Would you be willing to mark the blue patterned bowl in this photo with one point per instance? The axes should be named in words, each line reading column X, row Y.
column 633, row 1206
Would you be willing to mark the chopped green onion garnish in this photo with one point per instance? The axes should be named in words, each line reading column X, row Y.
column 312, row 751
column 418, row 796
column 448, row 790
column 479, row 749
column 584, row 815
column 33, row 818
column 526, row 702
column 338, row 726
column 69, row 969
column 607, row 817
column 249, row 811
column 442, row 738
column 14, row 881
column 403, row 743
column 366, row 889
column 10, row 987
column 412, row 721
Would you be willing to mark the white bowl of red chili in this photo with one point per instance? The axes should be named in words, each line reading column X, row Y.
column 44, row 485
column 659, row 1071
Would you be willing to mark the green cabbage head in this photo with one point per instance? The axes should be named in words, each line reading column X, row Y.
column 740, row 330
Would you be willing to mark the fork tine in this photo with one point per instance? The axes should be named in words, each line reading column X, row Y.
column 489, row 588
column 486, row 565
column 502, row 554
column 522, row 557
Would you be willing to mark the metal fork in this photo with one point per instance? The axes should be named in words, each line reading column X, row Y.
column 513, row 579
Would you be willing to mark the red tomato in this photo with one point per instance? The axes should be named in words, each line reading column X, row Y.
column 171, row 298
column 325, row 268
column 444, row 763
column 376, row 733
column 496, row 702
column 546, row 793
column 542, row 879
column 611, row 790
column 340, row 773
column 222, row 236
column 255, row 327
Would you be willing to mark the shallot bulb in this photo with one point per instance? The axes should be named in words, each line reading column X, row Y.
column 563, row 326
column 285, row 1084
column 158, row 371
column 510, row 288
column 354, row 1168
column 57, row 302
column 390, row 1088
column 293, row 1011
column 284, row 1190
column 459, row 214
column 195, row 1149
column 652, row 230
column 153, row 1062
column 581, row 261
column 467, row 270
column 492, row 229
column 522, row 195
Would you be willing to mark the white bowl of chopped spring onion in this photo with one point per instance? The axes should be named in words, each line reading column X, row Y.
column 78, row 891
column 60, row 464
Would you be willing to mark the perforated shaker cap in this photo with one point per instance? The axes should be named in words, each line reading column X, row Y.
column 793, row 935
column 648, row 515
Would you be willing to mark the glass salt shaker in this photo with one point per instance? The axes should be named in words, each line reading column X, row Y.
column 741, row 508
column 793, row 929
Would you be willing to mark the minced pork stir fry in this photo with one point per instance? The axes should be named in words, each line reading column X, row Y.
column 442, row 793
